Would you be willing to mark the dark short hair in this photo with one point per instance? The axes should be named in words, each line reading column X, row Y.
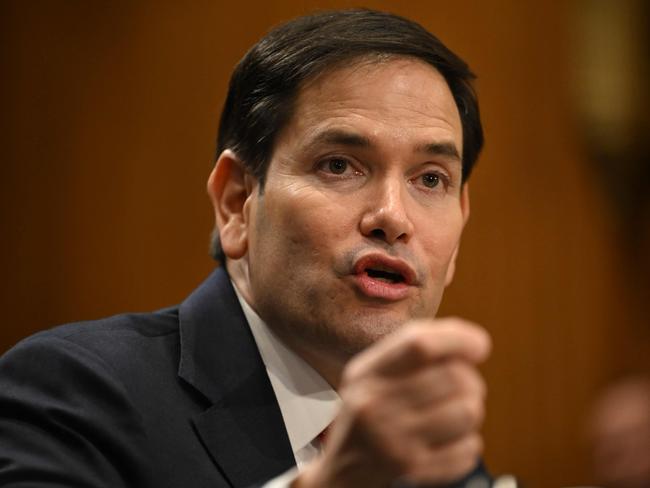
column 265, row 83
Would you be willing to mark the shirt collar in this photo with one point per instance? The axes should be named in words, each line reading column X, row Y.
column 307, row 402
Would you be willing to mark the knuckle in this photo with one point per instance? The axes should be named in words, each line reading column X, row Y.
column 480, row 386
column 349, row 374
column 362, row 406
column 453, row 322
column 411, row 333
column 457, row 372
column 353, row 371
column 472, row 411
column 477, row 446
column 479, row 411
column 472, row 447
column 415, row 348
column 467, row 378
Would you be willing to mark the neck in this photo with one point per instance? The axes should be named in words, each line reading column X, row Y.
column 321, row 362
column 325, row 365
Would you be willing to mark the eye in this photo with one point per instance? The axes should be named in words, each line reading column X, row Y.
column 430, row 180
column 433, row 181
column 337, row 166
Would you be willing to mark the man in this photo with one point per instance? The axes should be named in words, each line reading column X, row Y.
column 340, row 197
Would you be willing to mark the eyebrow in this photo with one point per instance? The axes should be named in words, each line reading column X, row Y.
column 446, row 149
column 342, row 137
column 345, row 138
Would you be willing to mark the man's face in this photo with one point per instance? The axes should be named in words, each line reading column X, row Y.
column 356, row 229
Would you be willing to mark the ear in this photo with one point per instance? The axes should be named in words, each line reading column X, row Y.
column 464, row 208
column 229, row 187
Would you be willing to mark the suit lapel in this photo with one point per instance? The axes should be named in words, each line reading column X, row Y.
column 243, row 429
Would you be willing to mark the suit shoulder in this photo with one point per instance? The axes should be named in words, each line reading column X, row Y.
column 125, row 337
column 130, row 325
column 68, row 407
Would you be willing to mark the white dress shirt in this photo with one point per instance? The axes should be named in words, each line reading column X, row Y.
column 307, row 402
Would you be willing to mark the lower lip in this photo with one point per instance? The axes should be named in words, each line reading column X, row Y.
column 381, row 289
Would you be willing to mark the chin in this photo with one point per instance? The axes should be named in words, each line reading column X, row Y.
column 352, row 336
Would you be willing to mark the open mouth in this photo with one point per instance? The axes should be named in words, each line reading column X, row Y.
column 384, row 275
column 380, row 268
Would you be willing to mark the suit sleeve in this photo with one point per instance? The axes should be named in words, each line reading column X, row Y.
column 66, row 419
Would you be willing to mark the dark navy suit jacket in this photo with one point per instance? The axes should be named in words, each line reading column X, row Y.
column 175, row 398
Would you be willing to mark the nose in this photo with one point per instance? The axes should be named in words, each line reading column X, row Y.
column 385, row 217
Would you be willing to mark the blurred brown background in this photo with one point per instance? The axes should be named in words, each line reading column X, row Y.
column 109, row 113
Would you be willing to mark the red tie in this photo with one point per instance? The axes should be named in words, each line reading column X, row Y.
column 322, row 437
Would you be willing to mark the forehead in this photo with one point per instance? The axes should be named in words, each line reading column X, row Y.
column 395, row 96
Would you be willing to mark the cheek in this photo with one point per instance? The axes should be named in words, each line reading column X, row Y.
column 306, row 222
column 441, row 238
